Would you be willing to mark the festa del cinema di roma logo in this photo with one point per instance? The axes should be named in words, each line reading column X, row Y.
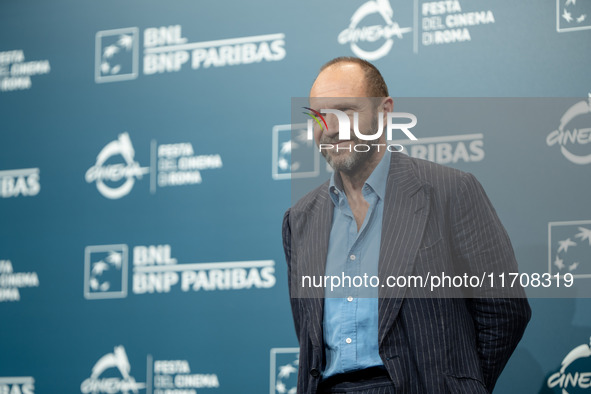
column 573, row 376
column 355, row 34
column 172, row 165
column 571, row 133
column 117, row 381
column 116, row 180
column 373, row 31
column 111, row 374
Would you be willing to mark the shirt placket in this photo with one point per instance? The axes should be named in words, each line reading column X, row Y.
column 350, row 304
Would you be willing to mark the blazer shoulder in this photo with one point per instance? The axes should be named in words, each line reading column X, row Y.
column 312, row 200
column 442, row 179
column 431, row 172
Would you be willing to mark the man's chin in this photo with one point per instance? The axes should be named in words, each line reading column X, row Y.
column 345, row 161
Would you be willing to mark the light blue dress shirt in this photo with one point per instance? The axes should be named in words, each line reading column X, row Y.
column 351, row 313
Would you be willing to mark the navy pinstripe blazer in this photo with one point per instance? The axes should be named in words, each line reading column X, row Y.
column 435, row 219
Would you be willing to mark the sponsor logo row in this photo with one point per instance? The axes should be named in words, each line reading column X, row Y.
column 154, row 270
column 113, row 373
column 294, row 155
column 374, row 29
column 116, row 170
column 165, row 50
column 572, row 376
column 377, row 27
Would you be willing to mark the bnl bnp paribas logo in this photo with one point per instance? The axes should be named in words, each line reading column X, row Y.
column 284, row 370
column 569, row 248
column 116, row 169
column 19, row 182
column 573, row 15
column 117, row 54
column 156, row 271
column 105, row 271
column 17, row 385
column 573, row 135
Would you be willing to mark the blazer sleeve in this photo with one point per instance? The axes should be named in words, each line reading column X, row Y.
column 481, row 245
column 286, row 234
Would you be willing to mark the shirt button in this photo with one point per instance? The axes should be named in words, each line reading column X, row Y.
column 349, row 298
column 352, row 257
column 348, row 340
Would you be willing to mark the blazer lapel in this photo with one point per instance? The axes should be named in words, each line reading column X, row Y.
column 406, row 209
column 321, row 212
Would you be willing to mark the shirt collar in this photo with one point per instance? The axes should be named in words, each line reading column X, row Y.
column 376, row 181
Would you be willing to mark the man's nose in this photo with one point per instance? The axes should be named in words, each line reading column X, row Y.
column 332, row 125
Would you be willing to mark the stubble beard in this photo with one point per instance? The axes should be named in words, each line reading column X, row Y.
column 345, row 161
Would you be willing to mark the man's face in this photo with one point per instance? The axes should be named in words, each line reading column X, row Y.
column 342, row 87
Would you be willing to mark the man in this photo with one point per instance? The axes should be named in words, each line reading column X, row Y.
column 390, row 215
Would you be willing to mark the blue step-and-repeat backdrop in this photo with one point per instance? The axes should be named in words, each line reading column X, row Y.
column 145, row 167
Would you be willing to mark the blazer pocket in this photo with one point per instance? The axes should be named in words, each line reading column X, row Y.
column 464, row 385
column 434, row 251
column 432, row 261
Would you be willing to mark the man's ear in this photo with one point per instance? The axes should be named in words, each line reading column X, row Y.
column 388, row 105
